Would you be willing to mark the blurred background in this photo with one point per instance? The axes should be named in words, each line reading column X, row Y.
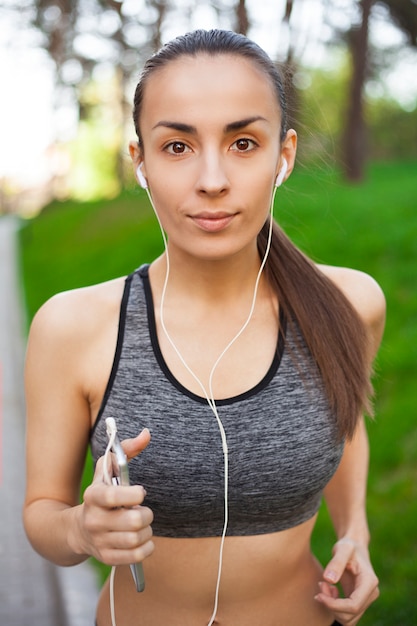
column 68, row 69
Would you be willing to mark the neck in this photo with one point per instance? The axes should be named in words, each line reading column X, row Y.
column 212, row 281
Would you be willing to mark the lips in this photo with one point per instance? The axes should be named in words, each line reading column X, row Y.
column 213, row 221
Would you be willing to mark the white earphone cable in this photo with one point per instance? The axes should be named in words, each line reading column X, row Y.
column 108, row 479
column 210, row 395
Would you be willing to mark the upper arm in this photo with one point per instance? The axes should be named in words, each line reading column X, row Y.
column 57, row 408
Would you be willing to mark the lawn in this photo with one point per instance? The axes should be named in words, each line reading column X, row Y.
column 372, row 227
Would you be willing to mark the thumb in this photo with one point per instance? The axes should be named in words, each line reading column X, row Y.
column 342, row 554
column 132, row 447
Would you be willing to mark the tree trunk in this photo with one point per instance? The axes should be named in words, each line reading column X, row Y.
column 288, row 69
column 161, row 7
column 355, row 140
column 242, row 18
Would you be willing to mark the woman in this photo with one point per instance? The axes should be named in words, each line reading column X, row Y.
column 238, row 390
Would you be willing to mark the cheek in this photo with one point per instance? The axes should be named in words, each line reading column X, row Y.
column 168, row 184
column 260, row 192
column 257, row 177
column 166, row 199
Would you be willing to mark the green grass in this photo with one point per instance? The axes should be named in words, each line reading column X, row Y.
column 70, row 244
column 372, row 227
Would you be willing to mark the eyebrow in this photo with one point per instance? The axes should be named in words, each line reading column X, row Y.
column 243, row 123
column 192, row 130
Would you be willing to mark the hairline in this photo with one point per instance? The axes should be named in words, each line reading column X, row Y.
column 194, row 54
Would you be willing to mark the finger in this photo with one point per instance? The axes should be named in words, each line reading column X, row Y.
column 103, row 496
column 119, row 556
column 112, row 497
column 99, row 474
column 342, row 553
column 128, row 540
column 347, row 610
column 132, row 447
column 132, row 520
column 365, row 592
column 121, row 519
column 343, row 610
column 330, row 591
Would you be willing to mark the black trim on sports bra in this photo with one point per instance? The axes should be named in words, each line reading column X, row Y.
column 119, row 346
column 144, row 273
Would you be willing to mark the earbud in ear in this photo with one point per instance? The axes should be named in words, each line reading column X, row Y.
column 281, row 173
column 141, row 178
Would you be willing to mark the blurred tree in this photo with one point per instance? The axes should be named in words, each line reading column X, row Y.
column 355, row 149
column 85, row 36
column 321, row 95
column 392, row 131
column 81, row 36
column 242, row 18
column 404, row 14
column 289, row 67
column 56, row 20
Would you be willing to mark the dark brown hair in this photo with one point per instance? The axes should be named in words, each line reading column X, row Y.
column 331, row 327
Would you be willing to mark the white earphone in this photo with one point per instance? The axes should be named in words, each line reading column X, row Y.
column 281, row 173
column 141, row 178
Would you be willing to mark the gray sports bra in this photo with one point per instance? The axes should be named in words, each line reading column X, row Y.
column 282, row 438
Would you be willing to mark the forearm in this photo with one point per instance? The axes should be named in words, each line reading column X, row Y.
column 346, row 493
column 53, row 530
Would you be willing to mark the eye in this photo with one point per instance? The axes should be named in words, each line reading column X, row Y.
column 244, row 145
column 177, row 147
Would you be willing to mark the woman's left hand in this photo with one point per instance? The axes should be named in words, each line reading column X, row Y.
column 351, row 567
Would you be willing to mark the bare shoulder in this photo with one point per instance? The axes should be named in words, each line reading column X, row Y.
column 79, row 311
column 73, row 336
column 365, row 295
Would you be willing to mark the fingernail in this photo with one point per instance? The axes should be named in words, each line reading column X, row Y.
column 331, row 575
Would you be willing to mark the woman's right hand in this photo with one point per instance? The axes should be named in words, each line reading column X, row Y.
column 113, row 525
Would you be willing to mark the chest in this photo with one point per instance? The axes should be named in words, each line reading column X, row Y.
column 282, row 451
column 221, row 353
column 281, row 436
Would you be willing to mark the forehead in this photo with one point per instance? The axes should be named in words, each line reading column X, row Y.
column 208, row 88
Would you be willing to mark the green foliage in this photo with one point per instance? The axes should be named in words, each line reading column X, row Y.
column 392, row 131
column 71, row 244
column 372, row 227
column 95, row 158
column 321, row 108
column 321, row 112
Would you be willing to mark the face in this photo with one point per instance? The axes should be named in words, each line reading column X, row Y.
column 211, row 152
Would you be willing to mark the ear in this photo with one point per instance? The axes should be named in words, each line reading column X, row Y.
column 288, row 152
column 282, row 172
column 137, row 161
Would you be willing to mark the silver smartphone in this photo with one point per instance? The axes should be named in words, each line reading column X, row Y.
column 121, row 477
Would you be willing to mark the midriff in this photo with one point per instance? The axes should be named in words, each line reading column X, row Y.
column 267, row 580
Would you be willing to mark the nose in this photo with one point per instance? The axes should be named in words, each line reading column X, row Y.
column 212, row 178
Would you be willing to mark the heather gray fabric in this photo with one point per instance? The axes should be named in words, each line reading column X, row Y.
column 282, row 440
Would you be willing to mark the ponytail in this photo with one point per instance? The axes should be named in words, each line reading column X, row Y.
column 332, row 329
